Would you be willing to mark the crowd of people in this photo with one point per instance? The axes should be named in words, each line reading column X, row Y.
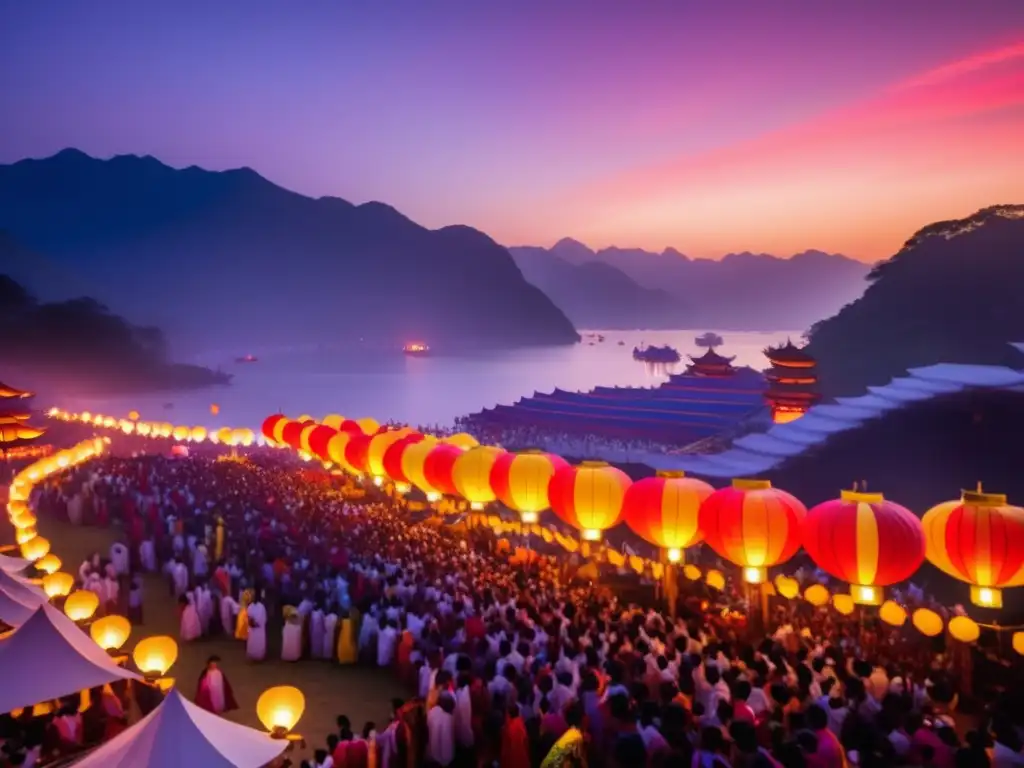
column 514, row 664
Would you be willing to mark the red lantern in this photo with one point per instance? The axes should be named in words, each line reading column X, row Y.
column 665, row 511
column 864, row 540
column 318, row 440
column 589, row 497
column 348, row 425
column 269, row 423
column 292, row 433
column 437, row 469
column 393, row 459
column 752, row 525
column 521, row 480
column 357, row 452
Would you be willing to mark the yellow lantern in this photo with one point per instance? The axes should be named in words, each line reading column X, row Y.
column 691, row 572
column 843, row 603
column 280, row 708
column 23, row 519
column 81, row 605
column 35, row 548
column 197, row 434
column 243, row 436
column 471, row 474
column 58, row 584
column 892, row 613
column 927, row 622
column 110, row 632
column 816, row 595
column 715, row 580
column 143, row 428
column 49, row 564
column 964, row 629
column 333, row 420
column 224, row 435
column 24, row 535
column 155, row 655
column 462, row 440
column 787, row 586
column 368, row 425
column 133, row 415
column 126, row 426
column 1018, row 642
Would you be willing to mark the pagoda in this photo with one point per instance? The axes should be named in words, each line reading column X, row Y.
column 15, row 431
column 710, row 364
column 792, row 382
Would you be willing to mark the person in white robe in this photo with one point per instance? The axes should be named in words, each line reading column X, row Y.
column 256, row 644
column 330, row 635
column 463, row 715
column 387, row 641
column 204, row 604
column 119, row 558
column 291, row 636
column 200, row 565
column 316, row 634
column 191, row 629
column 147, row 556
column 441, row 731
column 228, row 611
column 180, row 576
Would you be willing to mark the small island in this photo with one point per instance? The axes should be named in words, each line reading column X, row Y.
column 78, row 346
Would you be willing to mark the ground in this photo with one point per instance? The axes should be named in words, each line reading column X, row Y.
column 364, row 694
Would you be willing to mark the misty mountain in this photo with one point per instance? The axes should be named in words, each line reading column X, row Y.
column 742, row 291
column 229, row 258
column 951, row 294
column 597, row 295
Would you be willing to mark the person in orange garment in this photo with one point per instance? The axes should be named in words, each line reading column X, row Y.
column 515, row 743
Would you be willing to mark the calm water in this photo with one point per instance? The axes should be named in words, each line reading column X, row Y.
column 432, row 390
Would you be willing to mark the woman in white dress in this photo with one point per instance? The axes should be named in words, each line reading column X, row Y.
column 291, row 635
column 316, row 634
column 147, row 555
column 119, row 558
column 256, row 644
column 191, row 629
column 330, row 635
column 228, row 611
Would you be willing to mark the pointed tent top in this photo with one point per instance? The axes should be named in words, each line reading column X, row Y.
column 179, row 734
column 48, row 657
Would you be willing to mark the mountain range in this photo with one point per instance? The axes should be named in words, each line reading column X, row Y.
column 634, row 288
column 229, row 258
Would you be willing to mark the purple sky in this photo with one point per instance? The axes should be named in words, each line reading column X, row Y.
column 643, row 123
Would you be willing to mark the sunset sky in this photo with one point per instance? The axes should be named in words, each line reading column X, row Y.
column 708, row 125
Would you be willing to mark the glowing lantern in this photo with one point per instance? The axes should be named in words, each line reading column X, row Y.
column 181, row 433
column 49, row 564
column 267, row 429
column 318, row 439
column 1018, row 642
column 964, row 629
column 589, row 497
column 520, row 481
column 787, row 586
column 333, row 420
column 927, row 622
column 214, row 409
column 110, row 632
column 691, row 572
column 23, row 519
column 304, row 435
column 58, row 584
column 752, row 525
column 378, row 446
column 35, row 548
column 348, row 425
column 414, row 458
column 816, row 595
column 143, row 428
column 357, row 451
column 336, row 450
column 133, row 415
column 892, row 613
column 155, row 655
column 715, row 580
column 368, row 426
column 81, row 605
column 864, row 540
column 291, row 433
column 437, row 469
column 126, row 426
column 392, row 462
column 843, row 604
column 462, row 440
column 243, row 436
column 665, row 510
column 980, row 540
column 471, row 474
column 280, row 708
column 198, row 434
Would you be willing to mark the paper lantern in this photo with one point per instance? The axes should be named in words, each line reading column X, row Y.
column 270, row 424
column 414, row 458
column 24, row 519
column 964, row 629
column 133, row 415
column 691, row 572
column 843, row 603
column 589, row 497
column 715, row 580
column 143, row 428
column 181, row 433
column 243, row 436
column 224, row 435
column 198, row 434
column 980, row 540
column 333, row 420
column 155, row 655
column 280, row 708
column 463, row 440
column 437, row 469
column 816, row 595
column 81, row 605
column 126, row 426
column 752, row 525
column 393, row 454
column 49, row 563
column 214, row 409
column 305, row 434
column 787, row 586
column 291, row 432
column 471, row 474
column 864, row 540
column 58, row 584
column 348, row 425
column 110, row 632
column 336, row 450
column 892, row 613
column 35, row 548
column 25, row 535
column 357, row 451
column 927, row 622
column 378, row 446
column 368, row 426
column 318, row 439
column 520, row 481
column 665, row 510
column 1018, row 642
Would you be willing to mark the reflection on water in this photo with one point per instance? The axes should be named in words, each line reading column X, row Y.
column 419, row 390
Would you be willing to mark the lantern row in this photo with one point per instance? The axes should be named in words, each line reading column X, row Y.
column 242, row 436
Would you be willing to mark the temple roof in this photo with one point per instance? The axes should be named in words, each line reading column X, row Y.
column 712, row 358
column 789, row 353
column 6, row 391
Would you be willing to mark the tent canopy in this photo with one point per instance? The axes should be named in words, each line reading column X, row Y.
column 47, row 657
column 178, row 734
column 13, row 564
column 21, row 590
column 16, row 610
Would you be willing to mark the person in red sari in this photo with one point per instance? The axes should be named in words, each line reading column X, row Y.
column 214, row 692
column 515, row 743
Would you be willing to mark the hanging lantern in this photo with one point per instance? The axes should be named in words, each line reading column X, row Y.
column 24, row 520
column 357, row 451
column 133, row 415
column 223, row 436
column 787, row 586
column 81, row 605
column 414, row 460
column 143, row 428
column 816, row 595
column 35, row 548
column 368, row 425
column 665, row 511
column 520, row 481
column 462, row 440
column 58, row 584
column 393, row 456
column 333, row 420
column 1018, row 642
column 589, row 497
column 980, row 540
column 155, row 655
column 715, row 580
column 243, row 436
column 752, row 525
column 336, row 450
column 291, row 433
column 864, row 540
column 437, row 469
column 198, row 434
column 379, row 444
column 843, row 603
column 892, row 613
column 318, row 439
column 691, row 572
column 927, row 622
column 110, row 632
column 49, row 563
column 181, row 433
column 214, row 409
column 280, row 708
column 964, row 629
column 348, row 425
column 471, row 474
column 305, row 434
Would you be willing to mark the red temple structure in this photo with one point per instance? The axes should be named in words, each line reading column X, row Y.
column 710, row 364
column 15, row 431
column 792, row 382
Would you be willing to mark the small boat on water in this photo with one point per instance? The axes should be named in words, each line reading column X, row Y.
column 664, row 354
column 247, row 359
column 416, row 349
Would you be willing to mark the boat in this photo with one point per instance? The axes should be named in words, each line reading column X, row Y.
column 416, row 349
column 664, row 354
column 247, row 359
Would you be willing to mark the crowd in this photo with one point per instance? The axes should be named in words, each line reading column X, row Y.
column 515, row 664
column 608, row 448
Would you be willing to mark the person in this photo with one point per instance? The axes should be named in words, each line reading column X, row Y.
column 256, row 643
column 570, row 751
column 291, row 635
column 441, row 732
column 515, row 745
column 191, row 629
column 213, row 693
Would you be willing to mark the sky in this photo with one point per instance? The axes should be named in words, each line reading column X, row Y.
column 709, row 126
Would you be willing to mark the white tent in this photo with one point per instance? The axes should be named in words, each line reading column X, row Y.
column 47, row 657
column 178, row 734
column 20, row 589
column 13, row 564
column 15, row 610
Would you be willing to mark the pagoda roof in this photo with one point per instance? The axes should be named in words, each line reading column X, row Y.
column 788, row 353
column 6, row 391
column 712, row 358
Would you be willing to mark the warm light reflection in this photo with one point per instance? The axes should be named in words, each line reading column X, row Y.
column 754, row 575
column 987, row 597
column 674, row 554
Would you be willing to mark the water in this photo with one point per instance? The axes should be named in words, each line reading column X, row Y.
column 430, row 390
